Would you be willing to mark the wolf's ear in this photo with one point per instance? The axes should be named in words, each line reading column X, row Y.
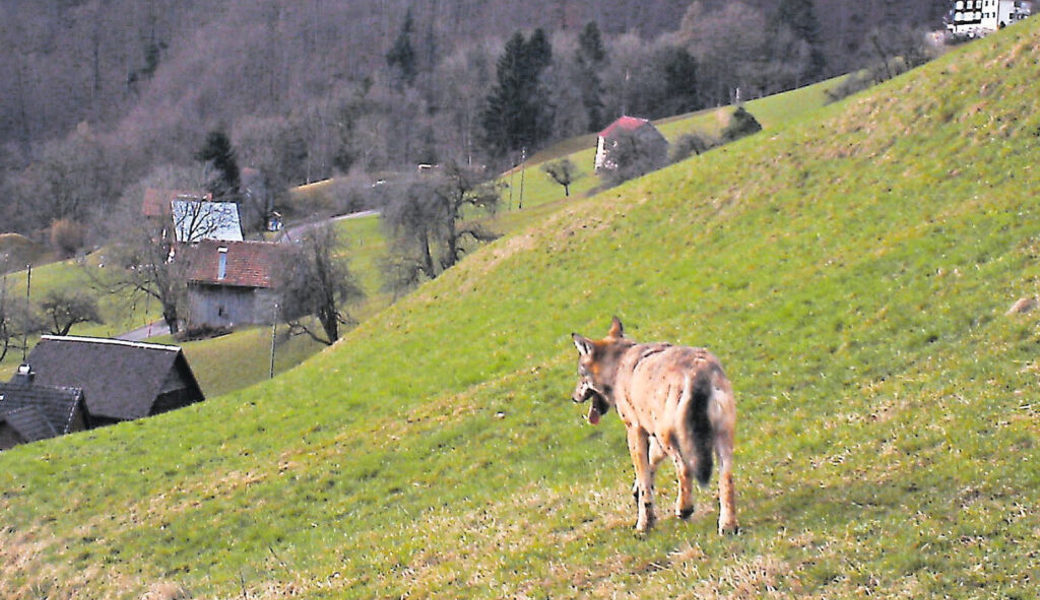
column 617, row 330
column 583, row 344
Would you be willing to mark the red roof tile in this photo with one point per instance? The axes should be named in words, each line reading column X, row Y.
column 248, row 264
column 627, row 123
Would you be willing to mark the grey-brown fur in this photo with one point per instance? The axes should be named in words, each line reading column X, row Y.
column 675, row 401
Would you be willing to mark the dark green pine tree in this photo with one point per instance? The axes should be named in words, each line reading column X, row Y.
column 537, row 53
column 591, row 58
column 800, row 17
column 590, row 44
column 401, row 56
column 517, row 113
column 680, row 71
column 218, row 151
column 503, row 108
column 538, row 122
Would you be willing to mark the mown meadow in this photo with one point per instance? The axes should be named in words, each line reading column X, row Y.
column 852, row 268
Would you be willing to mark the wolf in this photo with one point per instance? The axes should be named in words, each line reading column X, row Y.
column 675, row 401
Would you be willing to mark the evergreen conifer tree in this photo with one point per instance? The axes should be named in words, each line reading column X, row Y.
column 401, row 57
column 800, row 17
column 517, row 113
column 591, row 58
column 218, row 151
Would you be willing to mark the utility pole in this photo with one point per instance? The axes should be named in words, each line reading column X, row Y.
column 512, row 173
column 274, row 325
column 523, row 169
column 28, row 293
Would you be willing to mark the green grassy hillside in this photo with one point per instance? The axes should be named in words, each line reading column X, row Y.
column 243, row 358
column 852, row 271
column 534, row 187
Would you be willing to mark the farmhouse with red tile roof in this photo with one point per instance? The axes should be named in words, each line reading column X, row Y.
column 641, row 129
column 231, row 283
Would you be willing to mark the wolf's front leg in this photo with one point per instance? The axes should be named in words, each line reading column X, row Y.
column 638, row 447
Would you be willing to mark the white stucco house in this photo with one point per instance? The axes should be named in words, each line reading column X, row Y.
column 976, row 18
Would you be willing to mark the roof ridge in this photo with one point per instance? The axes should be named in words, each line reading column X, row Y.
column 112, row 341
column 241, row 242
column 42, row 386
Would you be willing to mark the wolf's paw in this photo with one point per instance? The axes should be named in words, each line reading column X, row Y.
column 644, row 525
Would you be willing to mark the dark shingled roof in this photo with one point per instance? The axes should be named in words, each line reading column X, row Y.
column 29, row 423
column 38, row 412
column 121, row 380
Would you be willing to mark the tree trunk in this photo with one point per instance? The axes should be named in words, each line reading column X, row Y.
column 427, row 256
column 329, row 323
column 170, row 316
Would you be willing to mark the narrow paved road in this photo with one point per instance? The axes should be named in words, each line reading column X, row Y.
column 147, row 331
column 293, row 232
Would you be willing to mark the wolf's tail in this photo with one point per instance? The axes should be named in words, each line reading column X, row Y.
column 700, row 426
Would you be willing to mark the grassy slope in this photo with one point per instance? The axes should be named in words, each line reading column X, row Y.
column 243, row 358
column 851, row 270
column 771, row 112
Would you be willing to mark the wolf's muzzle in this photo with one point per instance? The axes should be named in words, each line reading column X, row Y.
column 586, row 395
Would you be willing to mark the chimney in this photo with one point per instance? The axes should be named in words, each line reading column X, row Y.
column 222, row 265
column 24, row 375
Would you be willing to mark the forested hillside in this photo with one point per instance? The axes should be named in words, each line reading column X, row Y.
column 98, row 95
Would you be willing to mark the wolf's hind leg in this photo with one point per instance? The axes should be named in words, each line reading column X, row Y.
column 684, row 474
column 727, row 509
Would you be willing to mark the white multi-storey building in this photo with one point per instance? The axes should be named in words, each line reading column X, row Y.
column 979, row 17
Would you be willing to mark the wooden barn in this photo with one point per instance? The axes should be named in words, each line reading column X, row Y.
column 121, row 380
column 232, row 283
column 30, row 412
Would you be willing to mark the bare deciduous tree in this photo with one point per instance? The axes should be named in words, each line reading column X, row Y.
column 142, row 266
column 18, row 320
column 461, row 191
column 410, row 217
column 562, row 172
column 432, row 220
column 318, row 282
column 141, row 261
column 67, row 307
column 71, row 179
